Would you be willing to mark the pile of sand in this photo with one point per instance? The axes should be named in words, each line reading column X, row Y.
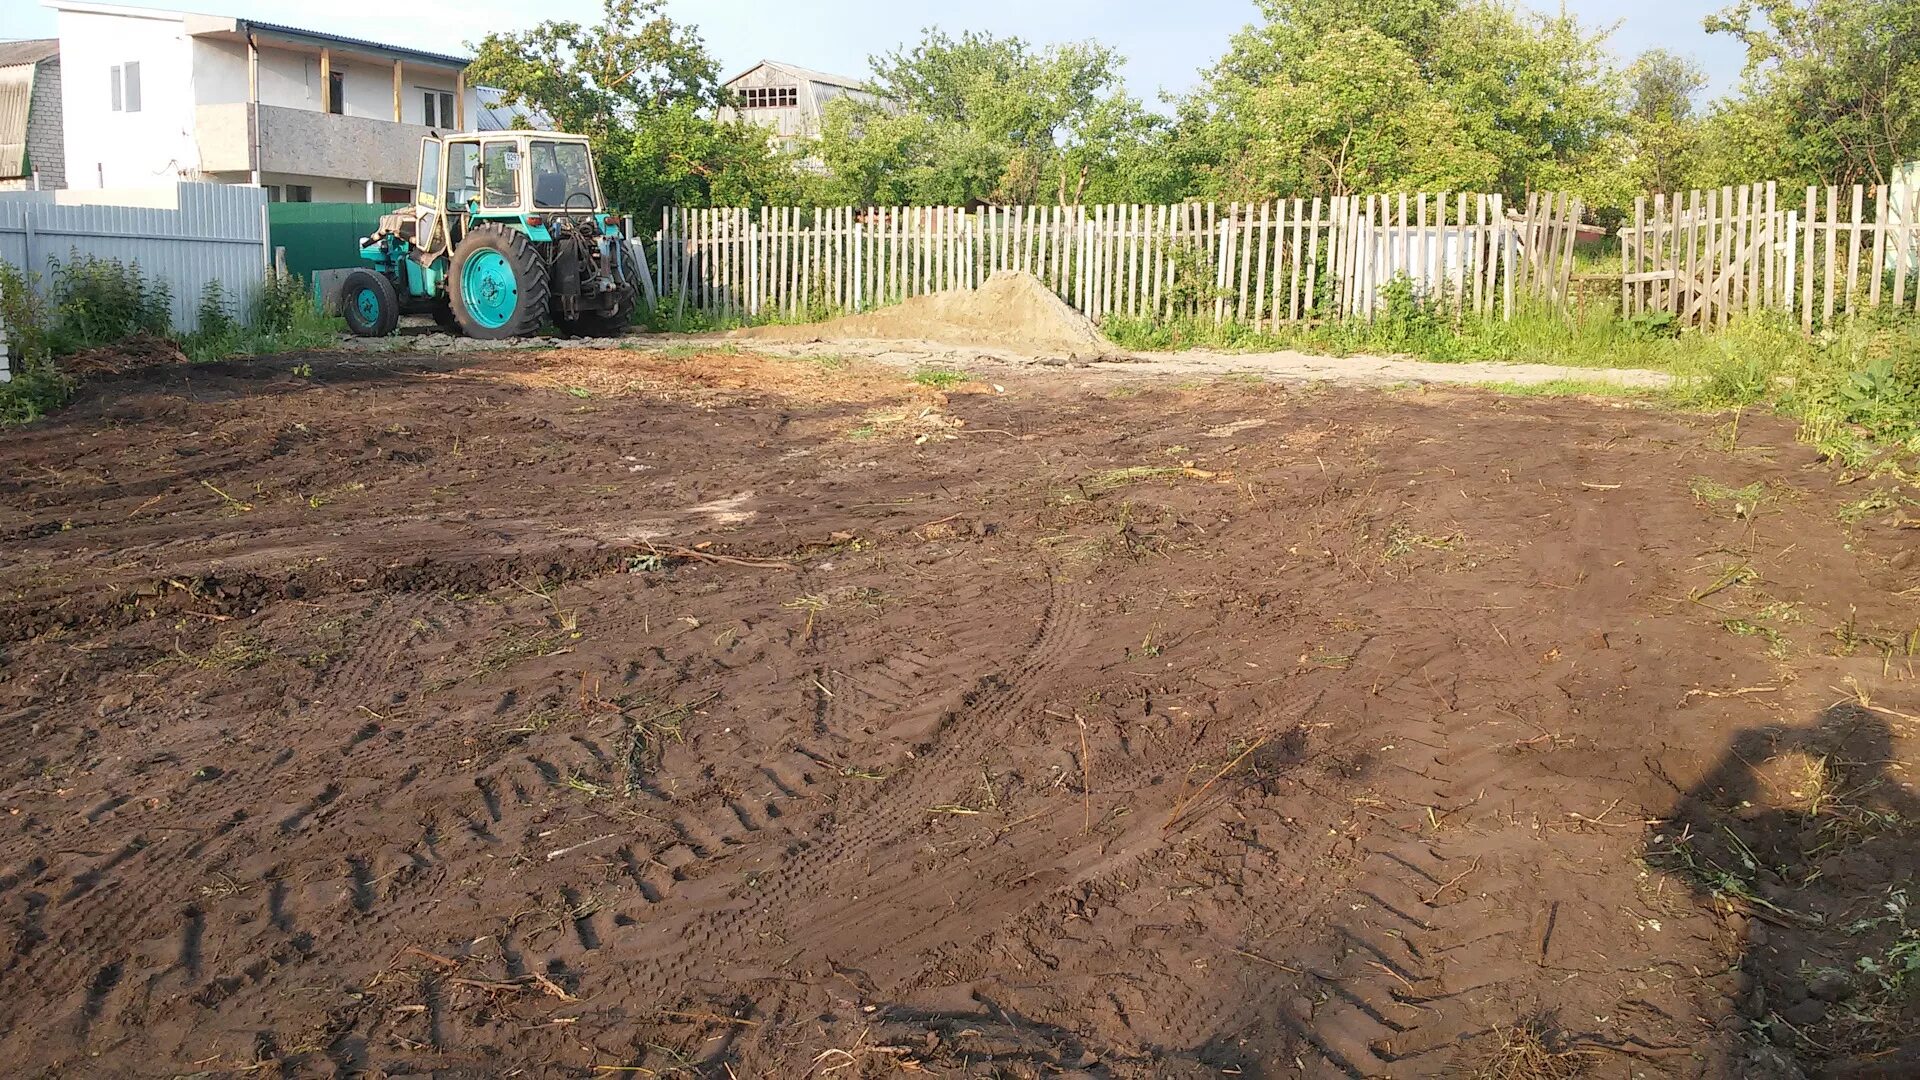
column 1010, row 310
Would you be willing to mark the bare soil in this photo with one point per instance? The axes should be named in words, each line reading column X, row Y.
column 607, row 713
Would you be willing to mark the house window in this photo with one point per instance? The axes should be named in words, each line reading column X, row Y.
column 391, row 194
column 770, row 97
column 337, row 92
column 437, row 109
column 126, row 87
column 299, row 192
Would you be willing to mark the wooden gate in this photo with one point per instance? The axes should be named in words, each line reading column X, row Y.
column 1707, row 256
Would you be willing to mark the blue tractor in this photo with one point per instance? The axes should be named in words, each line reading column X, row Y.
column 507, row 233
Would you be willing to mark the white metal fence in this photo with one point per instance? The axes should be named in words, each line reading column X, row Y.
column 183, row 237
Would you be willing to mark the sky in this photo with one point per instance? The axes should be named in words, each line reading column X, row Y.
column 1166, row 44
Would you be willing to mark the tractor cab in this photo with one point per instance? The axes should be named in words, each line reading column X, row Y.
column 507, row 231
column 522, row 177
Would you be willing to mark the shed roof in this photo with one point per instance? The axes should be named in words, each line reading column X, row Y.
column 808, row 74
column 28, row 51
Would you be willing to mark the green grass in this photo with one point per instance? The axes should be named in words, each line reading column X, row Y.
column 1571, row 387
column 939, row 379
column 1854, row 385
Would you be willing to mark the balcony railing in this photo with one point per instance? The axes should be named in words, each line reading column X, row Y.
column 306, row 142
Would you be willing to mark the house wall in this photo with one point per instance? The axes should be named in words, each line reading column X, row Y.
column 46, row 137
column 126, row 149
column 291, row 79
column 788, row 123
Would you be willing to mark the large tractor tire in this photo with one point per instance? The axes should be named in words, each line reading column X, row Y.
column 498, row 285
column 369, row 304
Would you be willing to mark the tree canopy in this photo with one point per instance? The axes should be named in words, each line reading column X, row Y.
column 1314, row 97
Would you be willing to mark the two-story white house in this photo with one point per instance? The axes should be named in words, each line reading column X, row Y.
column 151, row 97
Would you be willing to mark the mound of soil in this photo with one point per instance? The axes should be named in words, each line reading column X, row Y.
column 138, row 351
column 1011, row 310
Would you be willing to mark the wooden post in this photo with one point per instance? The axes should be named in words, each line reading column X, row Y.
column 1903, row 244
column 1833, row 243
column 1306, row 282
column 1810, row 216
column 1852, row 290
column 460, row 99
column 396, row 92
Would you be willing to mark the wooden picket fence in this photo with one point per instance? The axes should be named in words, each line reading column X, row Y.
column 1258, row 264
column 1708, row 256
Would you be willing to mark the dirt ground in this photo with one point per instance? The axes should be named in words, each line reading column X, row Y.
column 609, row 713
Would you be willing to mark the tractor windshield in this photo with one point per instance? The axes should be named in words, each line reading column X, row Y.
column 562, row 175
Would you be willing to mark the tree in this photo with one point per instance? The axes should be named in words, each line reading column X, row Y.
column 1830, row 92
column 982, row 118
column 1663, row 126
column 645, row 89
column 1353, row 116
column 1404, row 93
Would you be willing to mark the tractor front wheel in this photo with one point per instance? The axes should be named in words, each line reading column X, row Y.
column 499, row 284
column 369, row 304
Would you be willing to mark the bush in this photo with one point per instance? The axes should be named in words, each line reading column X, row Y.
column 92, row 302
column 37, row 387
column 99, row 301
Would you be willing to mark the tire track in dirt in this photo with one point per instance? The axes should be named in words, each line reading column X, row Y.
column 896, row 807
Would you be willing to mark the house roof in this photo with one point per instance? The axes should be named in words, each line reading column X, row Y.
column 29, row 51
column 357, row 44
column 199, row 25
column 808, row 74
column 495, row 114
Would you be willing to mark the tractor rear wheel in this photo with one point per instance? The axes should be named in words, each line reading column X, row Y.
column 498, row 285
column 369, row 304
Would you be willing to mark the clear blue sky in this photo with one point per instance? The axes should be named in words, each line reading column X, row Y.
column 1165, row 43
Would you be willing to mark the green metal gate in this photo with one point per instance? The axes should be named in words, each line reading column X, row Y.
column 323, row 236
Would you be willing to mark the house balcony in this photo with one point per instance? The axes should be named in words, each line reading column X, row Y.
column 306, row 142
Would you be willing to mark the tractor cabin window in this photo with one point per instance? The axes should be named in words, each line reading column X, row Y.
column 463, row 174
column 770, row 97
column 501, row 173
column 562, row 176
column 430, row 172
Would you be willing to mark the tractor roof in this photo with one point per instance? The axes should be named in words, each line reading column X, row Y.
column 538, row 134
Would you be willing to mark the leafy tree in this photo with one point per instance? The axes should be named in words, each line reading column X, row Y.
column 1662, row 120
column 982, row 118
column 1376, row 94
column 645, row 89
column 1830, row 93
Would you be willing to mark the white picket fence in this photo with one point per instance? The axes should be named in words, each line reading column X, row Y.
column 1707, row 256
column 1259, row 264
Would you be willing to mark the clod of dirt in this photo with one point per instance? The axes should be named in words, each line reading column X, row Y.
column 138, row 351
column 1010, row 309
